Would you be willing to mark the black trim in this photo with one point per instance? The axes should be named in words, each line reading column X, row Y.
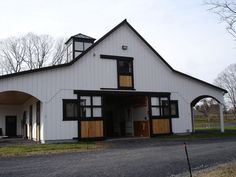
column 81, row 39
column 115, row 57
column 127, row 92
column 99, row 41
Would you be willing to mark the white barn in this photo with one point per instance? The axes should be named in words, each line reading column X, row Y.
column 116, row 86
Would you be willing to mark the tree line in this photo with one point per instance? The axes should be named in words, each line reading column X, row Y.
column 29, row 52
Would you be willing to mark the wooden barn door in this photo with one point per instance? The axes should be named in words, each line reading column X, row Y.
column 160, row 115
column 91, row 118
column 141, row 128
column 161, row 126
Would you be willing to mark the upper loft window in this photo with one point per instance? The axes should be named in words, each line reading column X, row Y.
column 125, row 71
column 80, row 47
column 125, row 74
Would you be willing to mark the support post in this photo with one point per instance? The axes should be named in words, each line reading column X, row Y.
column 222, row 128
column 193, row 117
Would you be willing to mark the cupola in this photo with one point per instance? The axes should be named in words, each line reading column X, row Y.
column 76, row 44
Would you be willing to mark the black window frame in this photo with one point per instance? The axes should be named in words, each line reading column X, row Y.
column 163, row 106
column 66, row 101
column 91, row 106
column 176, row 104
column 121, row 73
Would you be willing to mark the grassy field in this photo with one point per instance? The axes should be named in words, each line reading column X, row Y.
column 31, row 149
column 209, row 127
column 213, row 121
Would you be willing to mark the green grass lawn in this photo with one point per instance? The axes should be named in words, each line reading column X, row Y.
column 205, row 133
column 195, row 136
column 45, row 148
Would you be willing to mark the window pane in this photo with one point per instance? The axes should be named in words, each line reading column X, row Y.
column 173, row 109
column 165, row 103
column 155, row 101
column 125, row 66
column 69, row 49
column 77, row 53
column 155, row 111
column 97, row 101
column 87, row 112
column 165, row 111
column 87, row 45
column 163, row 99
column 71, row 110
column 69, row 56
column 97, row 112
column 85, row 100
column 79, row 46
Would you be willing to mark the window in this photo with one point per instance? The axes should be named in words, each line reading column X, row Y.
column 70, row 52
column 174, row 108
column 160, row 107
column 91, row 107
column 70, row 111
column 125, row 73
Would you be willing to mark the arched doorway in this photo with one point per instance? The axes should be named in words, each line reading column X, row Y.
column 207, row 114
column 19, row 115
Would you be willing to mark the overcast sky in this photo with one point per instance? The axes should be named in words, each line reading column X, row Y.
column 189, row 37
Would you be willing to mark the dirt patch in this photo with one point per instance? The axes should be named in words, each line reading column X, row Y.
column 223, row 170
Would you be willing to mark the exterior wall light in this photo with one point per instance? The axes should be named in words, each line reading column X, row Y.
column 124, row 47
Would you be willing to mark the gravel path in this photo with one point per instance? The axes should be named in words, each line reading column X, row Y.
column 143, row 157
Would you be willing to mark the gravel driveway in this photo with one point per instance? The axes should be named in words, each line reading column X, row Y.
column 143, row 157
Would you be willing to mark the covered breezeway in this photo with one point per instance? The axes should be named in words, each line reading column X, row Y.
column 19, row 115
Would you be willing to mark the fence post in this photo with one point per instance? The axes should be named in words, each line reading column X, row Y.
column 189, row 166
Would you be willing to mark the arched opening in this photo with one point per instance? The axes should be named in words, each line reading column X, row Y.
column 206, row 114
column 19, row 115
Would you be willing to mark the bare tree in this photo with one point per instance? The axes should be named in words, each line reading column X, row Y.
column 38, row 50
column 227, row 80
column 12, row 54
column 59, row 54
column 205, row 106
column 226, row 10
column 29, row 52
